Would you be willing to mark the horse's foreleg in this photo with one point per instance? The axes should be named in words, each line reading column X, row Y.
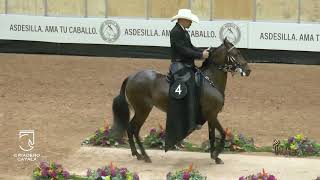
column 220, row 148
column 221, row 145
column 214, row 153
column 212, row 138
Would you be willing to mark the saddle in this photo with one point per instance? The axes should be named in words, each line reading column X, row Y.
column 177, row 72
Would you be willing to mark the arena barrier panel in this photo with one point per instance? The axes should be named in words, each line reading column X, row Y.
column 145, row 34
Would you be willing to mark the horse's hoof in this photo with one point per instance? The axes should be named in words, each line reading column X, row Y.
column 219, row 161
column 147, row 160
column 139, row 157
column 213, row 156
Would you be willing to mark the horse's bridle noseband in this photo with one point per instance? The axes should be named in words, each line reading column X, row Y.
column 232, row 65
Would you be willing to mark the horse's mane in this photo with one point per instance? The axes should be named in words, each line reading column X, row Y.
column 205, row 63
column 208, row 61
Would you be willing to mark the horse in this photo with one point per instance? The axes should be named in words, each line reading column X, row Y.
column 145, row 89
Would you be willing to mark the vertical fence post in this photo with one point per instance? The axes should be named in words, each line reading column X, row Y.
column 299, row 11
column 85, row 8
column 189, row 4
column 210, row 9
column 6, row 6
column 146, row 8
column 45, row 5
column 254, row 9
column 106, row 8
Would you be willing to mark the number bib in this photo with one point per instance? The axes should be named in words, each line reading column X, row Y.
column 178, row 90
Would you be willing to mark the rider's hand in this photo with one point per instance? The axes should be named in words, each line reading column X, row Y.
column 205, row 54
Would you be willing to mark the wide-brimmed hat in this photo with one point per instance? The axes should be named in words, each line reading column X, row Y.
column 185, row 14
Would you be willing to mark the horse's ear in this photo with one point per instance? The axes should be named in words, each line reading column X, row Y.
column 213, row 49
column 226, row 41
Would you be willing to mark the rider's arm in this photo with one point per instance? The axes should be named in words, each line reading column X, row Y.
column 178, row 41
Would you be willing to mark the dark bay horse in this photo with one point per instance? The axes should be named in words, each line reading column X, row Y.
column 145, row 89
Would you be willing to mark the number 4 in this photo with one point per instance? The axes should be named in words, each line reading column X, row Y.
column 178, row 90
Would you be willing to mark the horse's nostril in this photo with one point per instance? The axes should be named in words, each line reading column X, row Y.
column 248, row 72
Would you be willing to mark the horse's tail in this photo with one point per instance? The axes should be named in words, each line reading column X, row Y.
column 121, row 112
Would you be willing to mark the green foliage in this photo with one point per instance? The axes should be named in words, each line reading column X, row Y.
column 239, row 142
column 186, row 174
column 103, row 137
column 299, row 146
column 262, row 175
column 155, row 139
column 263, row 149
column 111, row 172
column 46, row 171
column 234, row 142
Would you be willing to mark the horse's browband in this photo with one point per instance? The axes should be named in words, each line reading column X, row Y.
column 231, row 48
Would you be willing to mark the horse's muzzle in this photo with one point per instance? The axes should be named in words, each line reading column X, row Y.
column 247, row 72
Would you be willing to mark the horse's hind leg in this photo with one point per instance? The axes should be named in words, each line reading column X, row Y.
column 139, row 118
column 141, row 113
column 133, row 148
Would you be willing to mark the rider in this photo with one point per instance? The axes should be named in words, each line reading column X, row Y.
column 182, row 50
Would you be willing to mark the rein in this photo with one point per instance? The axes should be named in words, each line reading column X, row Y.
column 232, row 65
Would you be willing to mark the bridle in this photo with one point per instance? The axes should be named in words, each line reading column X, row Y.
column 231, row 64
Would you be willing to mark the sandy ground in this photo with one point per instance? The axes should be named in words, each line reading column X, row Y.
column 236, row 165
column 66, row 98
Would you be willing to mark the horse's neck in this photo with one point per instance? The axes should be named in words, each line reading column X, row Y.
column 219, row 77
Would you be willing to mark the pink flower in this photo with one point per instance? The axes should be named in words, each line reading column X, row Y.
column 135, row 176
column 44, row 173
column 103, row 173
column 123, row 172
column 106, row 132
column 66, row 174
column 113, row 172
column 43, row 165
column 272, row 177
column 186, row 176
column 153, row 131
column 53, row 174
